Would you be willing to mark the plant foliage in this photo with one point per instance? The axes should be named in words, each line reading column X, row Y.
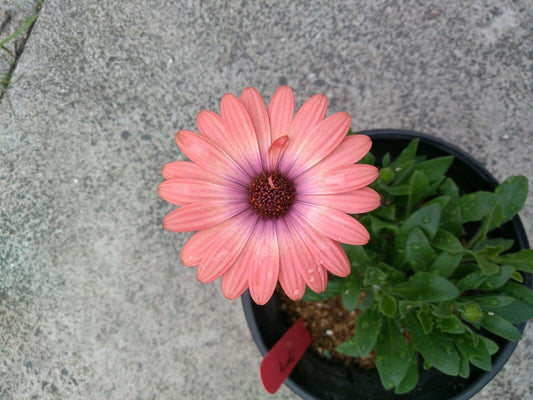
column 436, row 276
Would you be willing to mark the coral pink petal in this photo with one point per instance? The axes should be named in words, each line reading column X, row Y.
column 241, row 132
column 316, row 144
column 314, row 275
column 235, row 280
column 187, row 169
column 353, row 202
column 264, row 262
column 290, row 278
column 330, row 254
column 335, row 224
column 310, row 114
column 281, row 111
column 341, row 180
column 209, row 156
column 350, row 150
column 275, row 152
column 255, row 106
column 182, row 191
column 228, row 242
column 196, row 247
column 201, row 215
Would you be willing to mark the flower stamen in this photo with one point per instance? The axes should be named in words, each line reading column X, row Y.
column 271, row 196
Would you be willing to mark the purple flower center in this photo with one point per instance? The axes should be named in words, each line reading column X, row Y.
column 271, row 195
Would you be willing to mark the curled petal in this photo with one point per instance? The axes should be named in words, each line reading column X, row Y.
column 281, row 111
column 341, row 180
column 197, row 216
column 335, row 224
column 276, row 151
column 353, row 202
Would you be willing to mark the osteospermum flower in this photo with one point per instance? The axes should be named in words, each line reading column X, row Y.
column 269, row 193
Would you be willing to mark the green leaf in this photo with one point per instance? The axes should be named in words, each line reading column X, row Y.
column 498, row 279
column 515, row 312
column 500, row 326
column 477, row 353
column 446, row 241
column 410, row 379
column 388, row 306
column 512, row 194
column 407, row 154
column 351, row 288
column 491, row 346
column 426, row 320
column 493, row 243
column 418, row 251
column 437, row 348
column 377, row 225
column 487, row 267
column 443, row 310
column 374, row 276
column 366, row 333
column 334, row 288
column 423, row 286
column 435, row 168
column 451, row 220
column 451, row 325
column 445, row 264
column 357, row 256
column 427, row 218
column 391, row 354
column 471, row 281
column 471, row 312
column 519, row 292
column 476, row 206
column 490, row 301
column 449, row 188
column 418, row 184
column 521, row 260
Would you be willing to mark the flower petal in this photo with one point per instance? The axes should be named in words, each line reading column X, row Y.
column 290, row 278
column 335, row 224
column 182, row 191
column 314, row 275
column 328, row 252
column 308, row 116
column 197, row 216
column 317, row 144
column 350, row 150
column 255, row 106
column 263, row 260
column 209, row 156
column 275, row 152
column 281, row 111
column 341, row 180
column 228, row 242
column 353, row 202
column 196, row 247
column 241, row 133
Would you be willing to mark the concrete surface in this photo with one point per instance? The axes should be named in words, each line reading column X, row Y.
column 94, row 303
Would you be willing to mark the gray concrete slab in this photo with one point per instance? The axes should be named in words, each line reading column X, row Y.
column 94, row 302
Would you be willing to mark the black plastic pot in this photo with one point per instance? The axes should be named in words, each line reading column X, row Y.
column 318, row 378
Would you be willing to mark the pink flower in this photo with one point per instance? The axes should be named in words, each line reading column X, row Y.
column 269, row 193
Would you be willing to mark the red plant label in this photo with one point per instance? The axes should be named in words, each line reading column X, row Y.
column 283, row 357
